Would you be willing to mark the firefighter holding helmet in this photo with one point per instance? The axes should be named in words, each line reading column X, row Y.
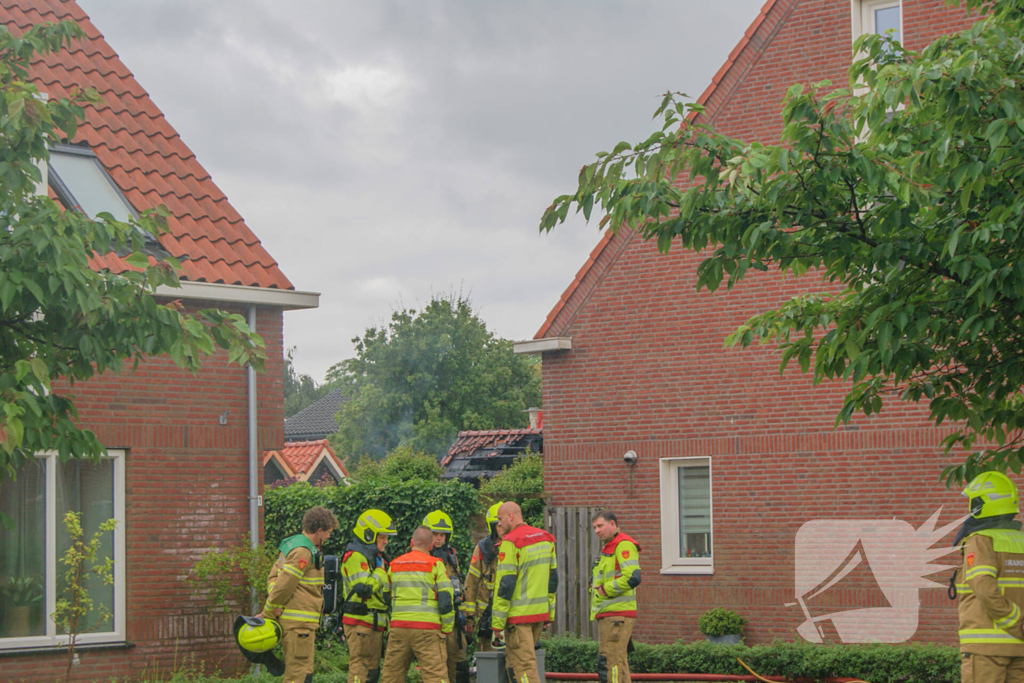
column 440, row 525
column 990, row 583
column 295, row 598
column 367, row 593
column 480, row 582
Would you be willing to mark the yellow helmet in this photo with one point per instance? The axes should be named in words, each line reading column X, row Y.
column 256, row 637
column 492, row 516
column 373, row 523
column 991, row 494
column 438, row 521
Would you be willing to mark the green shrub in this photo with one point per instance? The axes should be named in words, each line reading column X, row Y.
column 526, row 475
column 407, row 502
column 720, row 621
column 403, row 463
column 216, row 576
column 876, row 663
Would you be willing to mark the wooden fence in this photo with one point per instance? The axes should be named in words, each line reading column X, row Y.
column 577, row 549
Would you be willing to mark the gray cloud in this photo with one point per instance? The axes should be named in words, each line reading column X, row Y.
column 383, row 151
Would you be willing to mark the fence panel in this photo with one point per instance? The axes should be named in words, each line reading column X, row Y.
column 577, row 550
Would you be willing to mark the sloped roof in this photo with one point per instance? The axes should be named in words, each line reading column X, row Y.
column 317, row 420
column 145, row 156
column 469, row 442
column 755, row 39
column 301, row 456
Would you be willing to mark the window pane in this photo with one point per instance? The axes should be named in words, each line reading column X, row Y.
column 87, row 487
column 87, row 181
column 695, row 511
column 23, row 553
column 888, row 18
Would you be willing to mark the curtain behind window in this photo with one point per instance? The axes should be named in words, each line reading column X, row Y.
column 23, row 551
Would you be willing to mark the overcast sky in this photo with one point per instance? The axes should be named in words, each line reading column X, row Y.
column 383, row 151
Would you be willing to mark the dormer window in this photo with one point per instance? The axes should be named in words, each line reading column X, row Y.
column 81, row 183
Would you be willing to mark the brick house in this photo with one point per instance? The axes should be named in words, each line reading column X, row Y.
column 732, row 458
column 166, row 430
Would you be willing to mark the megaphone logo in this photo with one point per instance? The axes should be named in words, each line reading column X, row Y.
column 860, row 578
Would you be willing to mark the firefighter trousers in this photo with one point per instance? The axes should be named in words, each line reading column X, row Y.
column 613, row 635
column 991, row 669
column 520, row 657
column 364, row 644
column 297, row 644
column 457, row 661
column 426, row 645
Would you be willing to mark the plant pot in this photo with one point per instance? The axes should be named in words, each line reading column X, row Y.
column 728, row 639
column 16, row 620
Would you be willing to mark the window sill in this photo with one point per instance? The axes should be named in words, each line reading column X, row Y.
column 691, row 569
column 62, row 649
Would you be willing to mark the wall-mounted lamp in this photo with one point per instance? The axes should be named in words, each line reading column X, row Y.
column 223, row 418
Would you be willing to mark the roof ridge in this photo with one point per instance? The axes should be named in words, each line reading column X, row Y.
column 588, row 270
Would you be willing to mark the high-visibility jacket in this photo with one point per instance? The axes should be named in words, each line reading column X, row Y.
column 365, row 587
column 421, row 594
column 480, row 578
column 990, row 585
column 527, row 578
column 618, row 572
column 295, row 584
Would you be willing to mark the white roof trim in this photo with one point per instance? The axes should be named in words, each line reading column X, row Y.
column 332, row 465
column 213, row 291
column 542, row 345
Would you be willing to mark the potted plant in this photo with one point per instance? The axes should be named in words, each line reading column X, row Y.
column 20, row 594
column 722, row 626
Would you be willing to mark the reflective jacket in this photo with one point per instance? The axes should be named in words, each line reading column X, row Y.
column 421, row 594
column 527, row 578
column 365, row 587
column 990, row 585
column 618, row 572
column 480, row 578
column 295, row 584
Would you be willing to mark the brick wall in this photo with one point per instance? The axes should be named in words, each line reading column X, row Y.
column 648, row 372
column 187, row 481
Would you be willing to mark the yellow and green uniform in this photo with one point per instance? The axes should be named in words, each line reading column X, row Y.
column 365, row 587
column 526, row 579
column 618, row 572
column 421, row 594
column 990, row 586
column 480, row 579
column 295, row 586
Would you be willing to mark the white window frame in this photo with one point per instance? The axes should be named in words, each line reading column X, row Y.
column 671, row 562
column 863, row 14
column 118, row 633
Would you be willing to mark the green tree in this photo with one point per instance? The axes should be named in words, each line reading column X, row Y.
column 403, row 464
column 521, row 483
column 301, row 391
column 428, row 375
column 903, row 195
column 58, row 316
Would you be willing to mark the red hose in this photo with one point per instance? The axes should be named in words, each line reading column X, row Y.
column 555, row 676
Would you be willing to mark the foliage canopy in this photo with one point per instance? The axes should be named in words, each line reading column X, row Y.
column 58, row 316
column 427, row 375
column 903, row 193
column 525, row 476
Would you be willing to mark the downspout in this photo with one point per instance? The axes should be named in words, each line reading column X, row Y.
column 254, row 501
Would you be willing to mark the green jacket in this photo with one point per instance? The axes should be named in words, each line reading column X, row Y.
column 366, row 589
column 527, row 578
column 618, row 572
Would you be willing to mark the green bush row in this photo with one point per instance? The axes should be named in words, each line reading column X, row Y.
column 876, row 663
column 406, row 501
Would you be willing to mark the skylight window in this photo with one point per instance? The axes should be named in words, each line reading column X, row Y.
column 81, row 183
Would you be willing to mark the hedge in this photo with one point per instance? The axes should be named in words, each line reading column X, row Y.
column 406, row 501
column 876, row 663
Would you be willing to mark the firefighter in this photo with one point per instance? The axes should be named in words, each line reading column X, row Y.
column 366, row 590
column 990, row 583
column 613, row 597
column 525, row 584
column 480, row 582
column 422, row 613
column 440, row 525
column 295, row 592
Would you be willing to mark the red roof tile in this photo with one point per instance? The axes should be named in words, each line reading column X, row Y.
column 302, row 456
column 145, row 156
column 470, row 441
